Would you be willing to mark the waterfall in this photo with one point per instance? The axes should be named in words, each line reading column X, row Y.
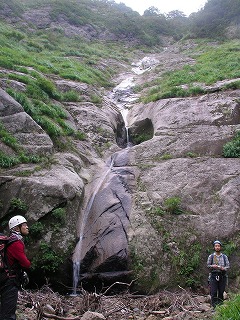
column 78, row 249
column 122, row 96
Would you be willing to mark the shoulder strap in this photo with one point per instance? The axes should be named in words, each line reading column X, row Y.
column 212, row 258
column 224, row 258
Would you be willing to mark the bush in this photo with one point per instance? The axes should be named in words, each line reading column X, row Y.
column 232, row 149
column 18, row 204
column 46, row 259
column 36, row 230
column 172, row 205
column 59, row 215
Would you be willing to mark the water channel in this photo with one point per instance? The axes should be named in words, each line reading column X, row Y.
column 103, row 241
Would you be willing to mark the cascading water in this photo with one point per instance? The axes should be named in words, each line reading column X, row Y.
column 105, row 219
column 123, row 96
column 78, row 250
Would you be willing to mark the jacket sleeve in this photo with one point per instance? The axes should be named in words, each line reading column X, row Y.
column 227, row 264
column 209, row 262
column 16, row 253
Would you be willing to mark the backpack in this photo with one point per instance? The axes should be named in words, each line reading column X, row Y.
column 5, row 271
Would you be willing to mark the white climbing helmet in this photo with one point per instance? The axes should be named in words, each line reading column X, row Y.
column 15, row 221
column 217, row 242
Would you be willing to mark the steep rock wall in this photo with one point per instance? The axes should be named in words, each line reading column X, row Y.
column 184, row 160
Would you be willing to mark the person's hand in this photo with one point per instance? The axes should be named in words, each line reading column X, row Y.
column 215, row 266
column 25, row 279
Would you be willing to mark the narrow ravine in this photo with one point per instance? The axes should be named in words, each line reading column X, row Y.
column 102, row 249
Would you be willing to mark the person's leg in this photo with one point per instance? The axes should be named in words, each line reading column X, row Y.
column 214, row 291
column 9, row 296
column 221, row 288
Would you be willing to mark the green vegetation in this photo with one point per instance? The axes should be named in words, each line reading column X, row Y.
column 37, row 57
column 166, row 156
column 157, row 211
column 229, row 248
column 192, row 154
column 141, row 137
column 186, row 263
column 47, row 260
column 229, row 310
column 7, row 138
column 232, row 149
column 7, row 161
column 18, row 204
column 214, row 64
column 59, row 215
column 170, row 205
column 137, row 262
column 36, row 231
column 173, row 205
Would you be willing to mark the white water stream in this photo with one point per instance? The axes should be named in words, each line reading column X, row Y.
column 122, row 95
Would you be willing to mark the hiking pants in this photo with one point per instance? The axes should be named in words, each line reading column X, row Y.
column 217, row 288
column 9, row 296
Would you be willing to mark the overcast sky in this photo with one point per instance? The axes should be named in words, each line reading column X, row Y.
column 165, row 6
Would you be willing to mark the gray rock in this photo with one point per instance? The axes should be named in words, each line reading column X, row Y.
column 30, row 136
column 89, row 315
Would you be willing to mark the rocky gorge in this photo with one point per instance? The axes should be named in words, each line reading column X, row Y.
column 117, row 224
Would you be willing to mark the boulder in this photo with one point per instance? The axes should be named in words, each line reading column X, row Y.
column 89, row 315
column 30, row 136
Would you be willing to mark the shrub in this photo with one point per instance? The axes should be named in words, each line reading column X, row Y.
column 18, row 204
column 139, row 138
column 46, row 259
column 36, row 230
column 59, row 215
column 173, row 205
column 232, row 149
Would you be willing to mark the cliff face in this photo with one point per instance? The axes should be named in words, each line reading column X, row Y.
column 153, row 208
column 183, row 163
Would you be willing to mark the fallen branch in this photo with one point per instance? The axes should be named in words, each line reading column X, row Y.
column 122, row 283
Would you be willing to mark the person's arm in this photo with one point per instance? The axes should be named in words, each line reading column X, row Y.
column 16, row 253
column 227, row 264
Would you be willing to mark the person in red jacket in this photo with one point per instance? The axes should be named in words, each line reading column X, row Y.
column 17, row 263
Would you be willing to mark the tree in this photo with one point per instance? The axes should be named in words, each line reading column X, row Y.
column 151, row 11
column 175, row 14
